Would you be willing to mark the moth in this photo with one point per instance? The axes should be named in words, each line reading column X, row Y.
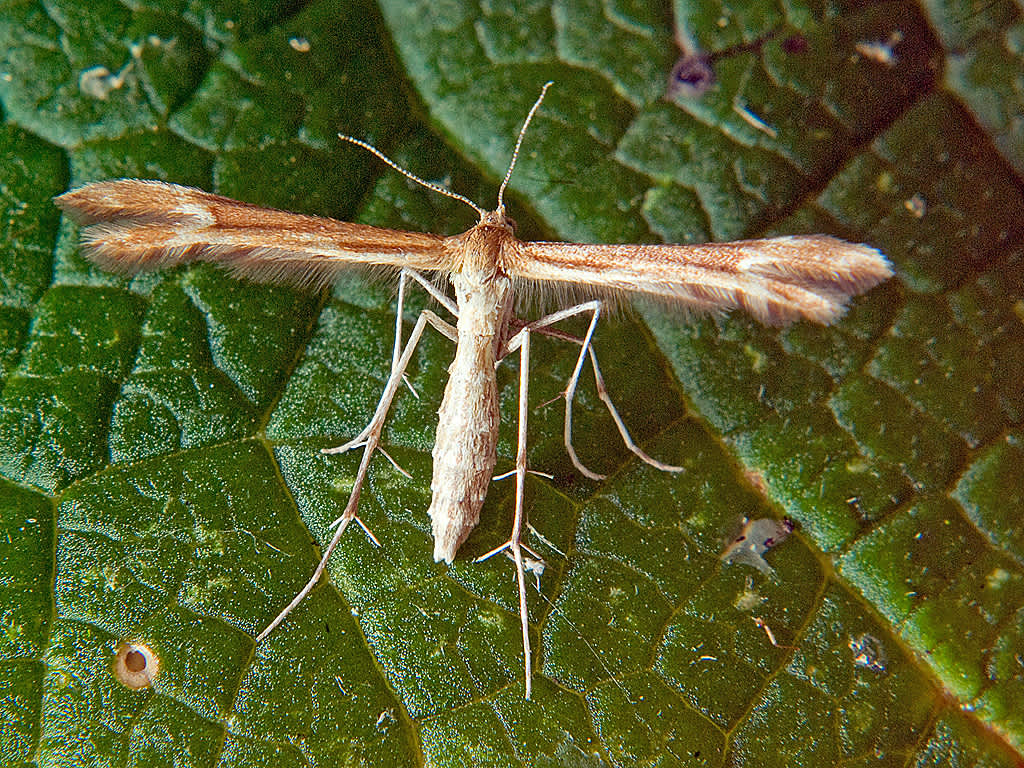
column 129, row 225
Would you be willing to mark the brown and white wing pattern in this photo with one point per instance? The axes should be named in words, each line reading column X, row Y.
column 132, row 225
column 777, row 280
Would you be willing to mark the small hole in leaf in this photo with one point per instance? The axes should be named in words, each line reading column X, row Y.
column 136, row 665
column 134, row 661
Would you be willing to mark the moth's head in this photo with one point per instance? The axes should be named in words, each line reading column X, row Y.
column 497, row 219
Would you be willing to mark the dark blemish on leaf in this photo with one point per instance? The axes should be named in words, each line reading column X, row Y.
column 134, row 661
column 795, row 44
column 693, row 74
column 691, row 77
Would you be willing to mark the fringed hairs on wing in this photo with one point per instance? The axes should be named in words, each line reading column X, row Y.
column 777, row 280
column 132, row 225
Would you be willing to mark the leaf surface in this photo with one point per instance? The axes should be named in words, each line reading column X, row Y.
column 162, row 481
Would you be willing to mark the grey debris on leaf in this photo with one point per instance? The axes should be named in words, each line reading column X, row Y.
column 868, row 652
column 756, row 538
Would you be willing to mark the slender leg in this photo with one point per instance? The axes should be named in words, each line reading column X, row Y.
column 442, row 327
column 514, row 545
column 432, row 291
column 370, row 439
column 541, row 325
column 623, row 432
column 437, row 295
column 397, row 346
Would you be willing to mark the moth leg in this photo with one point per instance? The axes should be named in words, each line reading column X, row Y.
column 514, row 545
column 434, row 293
column 444, row 328
column 602, row 393
column 586, row 349
column 370, row 439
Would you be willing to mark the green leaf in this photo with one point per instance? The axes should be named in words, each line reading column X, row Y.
column 162, row 481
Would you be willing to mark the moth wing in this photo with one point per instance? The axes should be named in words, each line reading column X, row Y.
column 131, row 225
column 777, row 280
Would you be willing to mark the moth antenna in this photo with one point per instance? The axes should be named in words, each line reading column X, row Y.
column 412, row 176
column 519, row 143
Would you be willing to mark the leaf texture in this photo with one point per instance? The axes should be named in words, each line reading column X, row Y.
column 160, row 436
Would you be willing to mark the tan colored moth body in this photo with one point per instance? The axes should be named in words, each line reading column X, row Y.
column 465, row 448
column 132, row 225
